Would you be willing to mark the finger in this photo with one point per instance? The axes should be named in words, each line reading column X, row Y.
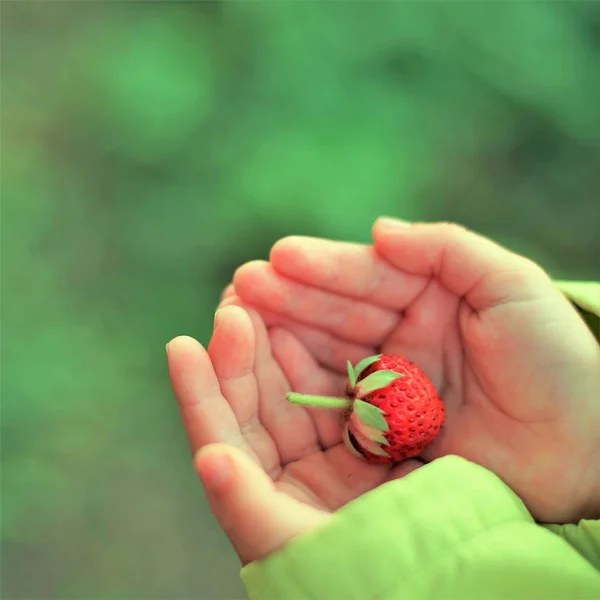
column 290, row 427
column 257, row 518
column 307, row 377
column 353, row 270
column 328, row 350
column 228, row 292
column 206, row 415
column 233, row 300
column 467, row 264
column 232, row 351
column 258, row 284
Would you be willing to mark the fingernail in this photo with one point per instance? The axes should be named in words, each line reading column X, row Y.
column 393, row 223
column 214, row 468
column 228, row 301
column 167, row 348
column 216, row 317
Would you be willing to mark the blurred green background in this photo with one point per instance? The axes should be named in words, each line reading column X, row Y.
column 148, row 148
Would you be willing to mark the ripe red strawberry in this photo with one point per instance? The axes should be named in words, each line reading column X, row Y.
column 392, row 412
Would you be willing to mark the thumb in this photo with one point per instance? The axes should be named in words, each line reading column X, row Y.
column 257, row 517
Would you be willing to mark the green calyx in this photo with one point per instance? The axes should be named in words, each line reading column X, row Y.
column 374, row 382
column 355, row 372
column 365, row 442
column 370, row 415
column 371, row 383
column 369, row 418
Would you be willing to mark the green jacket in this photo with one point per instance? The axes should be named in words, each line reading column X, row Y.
column 451, row 530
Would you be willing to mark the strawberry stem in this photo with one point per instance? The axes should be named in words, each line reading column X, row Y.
column 319, row 401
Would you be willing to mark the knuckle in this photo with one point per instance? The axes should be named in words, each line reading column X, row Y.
column 531, row 269
column 451, row 229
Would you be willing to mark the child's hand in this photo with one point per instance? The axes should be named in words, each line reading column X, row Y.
column 517, row 367
column 271, row 470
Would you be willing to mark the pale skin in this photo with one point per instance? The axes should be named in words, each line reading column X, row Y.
column 516, row 366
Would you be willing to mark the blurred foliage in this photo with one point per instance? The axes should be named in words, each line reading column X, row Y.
column 150, row 148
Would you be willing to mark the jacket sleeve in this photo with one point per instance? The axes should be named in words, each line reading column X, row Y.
column 585, row 295
column 450, row 530
column 585, row 537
